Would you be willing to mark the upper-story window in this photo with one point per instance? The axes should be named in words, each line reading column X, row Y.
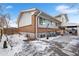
column 42, row 20
column 57, row 24
column 52, row 23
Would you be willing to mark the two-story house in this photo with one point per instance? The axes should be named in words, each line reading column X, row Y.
column 36, row 23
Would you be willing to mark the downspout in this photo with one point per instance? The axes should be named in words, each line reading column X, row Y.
column 18, row 24
column 37, row 25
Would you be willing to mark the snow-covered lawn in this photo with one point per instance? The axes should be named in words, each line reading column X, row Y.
column 39, row 45
column 49, row 47
column 14, row 40
column 54, row 46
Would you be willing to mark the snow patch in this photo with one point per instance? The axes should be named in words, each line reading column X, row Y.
column 39, row 45
column 16, row 41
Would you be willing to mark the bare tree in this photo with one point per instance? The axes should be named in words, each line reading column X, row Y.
column 4, row 22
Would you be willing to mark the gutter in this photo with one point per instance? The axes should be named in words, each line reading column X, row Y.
column 37, row 24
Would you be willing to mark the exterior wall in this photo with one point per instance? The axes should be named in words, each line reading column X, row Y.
column 51, row 24
column 59, row 18
column 64, row 19
column 45, row 32
column 25, row 19
column 45, row 27
column 40, row 30
column 29, row 28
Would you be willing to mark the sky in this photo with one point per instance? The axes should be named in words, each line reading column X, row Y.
column 52, row 9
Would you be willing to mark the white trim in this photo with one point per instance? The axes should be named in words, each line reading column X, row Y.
column 29, row 10
column 37, row 24
column 70, row 24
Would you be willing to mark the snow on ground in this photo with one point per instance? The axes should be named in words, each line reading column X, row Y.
column 13, row 40
column 73, row 46
column 48, row 47
column 50, row 38
column 39, row 45
column 54, row 46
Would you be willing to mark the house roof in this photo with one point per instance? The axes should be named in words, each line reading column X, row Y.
column 61, row 15
column 32, row 9
column 70, row 24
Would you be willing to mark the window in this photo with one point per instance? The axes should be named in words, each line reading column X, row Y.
column 42, row 20
column 56, row 24
column 51, row 23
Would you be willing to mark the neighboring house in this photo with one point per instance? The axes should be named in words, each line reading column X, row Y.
column 66, row 25
column 71, row 27
column 63, row 18
column 36, row 23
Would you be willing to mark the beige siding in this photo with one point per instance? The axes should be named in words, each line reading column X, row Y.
column 29, row 28
column 41, row 30
column 25, row 19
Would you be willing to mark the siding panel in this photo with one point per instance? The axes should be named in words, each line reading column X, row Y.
column 29, row 28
